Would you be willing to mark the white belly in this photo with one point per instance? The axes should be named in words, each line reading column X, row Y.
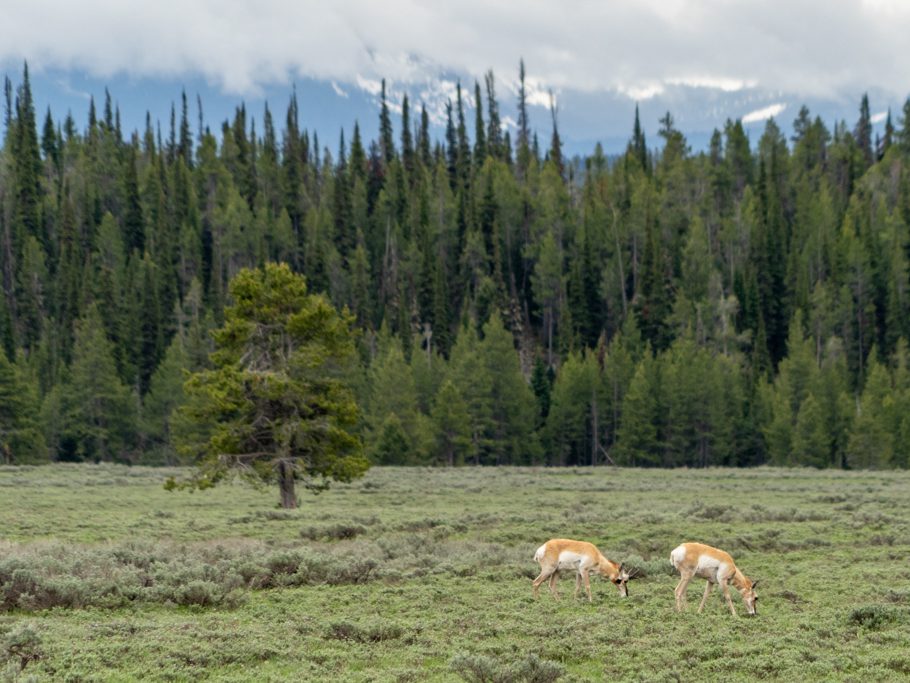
column 710, row 568
column 572, row 560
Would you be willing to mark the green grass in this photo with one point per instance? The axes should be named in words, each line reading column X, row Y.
column 424, row 574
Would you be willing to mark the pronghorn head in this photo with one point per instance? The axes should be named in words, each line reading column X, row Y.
column 747, row 590
column 618, row 575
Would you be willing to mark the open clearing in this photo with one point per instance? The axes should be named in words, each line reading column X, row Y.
column 424, row 574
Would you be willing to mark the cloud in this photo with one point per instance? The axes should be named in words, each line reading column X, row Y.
column 641, row 91
column 879, row 117
column 66, row 87
column 636, row 47
column 764, row 113
column 339, row 90
column 538, row 97
column 716, row 83
column 372, row 86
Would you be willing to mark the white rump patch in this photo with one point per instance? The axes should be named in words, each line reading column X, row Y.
column 677, row 556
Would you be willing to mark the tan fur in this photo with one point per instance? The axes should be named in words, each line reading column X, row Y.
column 582, row 556
column 714, row 565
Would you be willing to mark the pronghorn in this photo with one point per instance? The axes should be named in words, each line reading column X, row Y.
column 698, row 559
column 583, row 557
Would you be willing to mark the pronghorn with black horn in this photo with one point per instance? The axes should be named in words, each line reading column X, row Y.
column 698, row 559
column 584, row 558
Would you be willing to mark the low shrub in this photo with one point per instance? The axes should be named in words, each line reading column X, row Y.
column 759, row 513
column 265, row 515
column 20, row 646
column 532, row 669
column 477, row 669
column 898, row 596
column 882, row 539
column 482, row 669
column 333, row 532
column 875, row 617
column 201, row 593
column 420, row 524
column 708, row 512
column 366, row 633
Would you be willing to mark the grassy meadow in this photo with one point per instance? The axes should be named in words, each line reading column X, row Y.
column 424, row 575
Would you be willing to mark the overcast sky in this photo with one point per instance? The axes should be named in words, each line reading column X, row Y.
column 707, row 60
column 639, row 47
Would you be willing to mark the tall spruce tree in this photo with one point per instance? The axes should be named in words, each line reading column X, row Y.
column 494, row 122
column 638, row 147
column 863, row 131
column 523, row 153
column 639, row 438
column 97, row 408
column 277, row 402
column 386, row 141
column 453, row 425
column 21, row 440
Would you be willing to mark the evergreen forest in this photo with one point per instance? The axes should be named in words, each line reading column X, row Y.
column 741, row 305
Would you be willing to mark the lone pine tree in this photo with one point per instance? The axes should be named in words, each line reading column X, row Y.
column 276, row 404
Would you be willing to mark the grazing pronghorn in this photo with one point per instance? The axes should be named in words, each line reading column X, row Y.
column 583, row 557
column 698, row 559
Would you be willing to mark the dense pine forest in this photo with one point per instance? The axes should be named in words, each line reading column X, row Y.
column 741, row 305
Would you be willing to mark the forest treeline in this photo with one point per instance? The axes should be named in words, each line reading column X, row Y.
column 741, row 305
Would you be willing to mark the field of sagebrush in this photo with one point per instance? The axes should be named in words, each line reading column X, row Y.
column 424, row 574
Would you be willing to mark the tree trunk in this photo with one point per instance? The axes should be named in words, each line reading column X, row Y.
column 286, row 484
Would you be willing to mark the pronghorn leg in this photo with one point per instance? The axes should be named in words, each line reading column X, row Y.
column 681, row 591
column 726, row 589
column 577, row 584
column 708, row 588
column 587, row 580
column 553, row 577
column 535, row 584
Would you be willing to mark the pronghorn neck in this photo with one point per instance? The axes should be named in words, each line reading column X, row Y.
column 608, row 567
column 740, row 582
